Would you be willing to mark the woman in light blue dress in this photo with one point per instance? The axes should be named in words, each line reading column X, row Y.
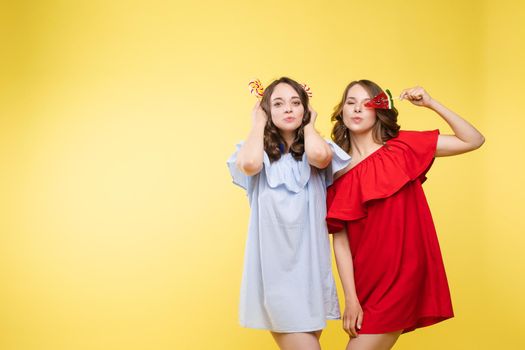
column 285, row 167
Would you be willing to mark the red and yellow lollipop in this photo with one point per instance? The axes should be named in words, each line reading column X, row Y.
column 256, row 88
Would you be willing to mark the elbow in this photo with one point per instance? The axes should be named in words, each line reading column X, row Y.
column 479, row 142
column 250, row 167
column 472, row 144
column 321, row 157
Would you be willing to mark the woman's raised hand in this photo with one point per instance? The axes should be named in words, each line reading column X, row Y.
column 313, row 114
column 258, row 114
column 417, row 95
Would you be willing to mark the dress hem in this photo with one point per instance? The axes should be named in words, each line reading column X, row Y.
column 299, row 330
column 421, row 322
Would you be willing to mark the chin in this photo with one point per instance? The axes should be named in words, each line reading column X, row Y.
column 360, row 130
column 288, row 127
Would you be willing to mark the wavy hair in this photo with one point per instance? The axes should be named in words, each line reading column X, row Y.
column 272, row 138
column 384, row 129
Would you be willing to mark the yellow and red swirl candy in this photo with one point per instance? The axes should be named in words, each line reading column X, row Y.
column 308, row 90
column 256, row 88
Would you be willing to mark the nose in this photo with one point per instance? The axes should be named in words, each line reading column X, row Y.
column 357, row 107
column 288, row 108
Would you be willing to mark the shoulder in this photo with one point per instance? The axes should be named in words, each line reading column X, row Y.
column 415, row 135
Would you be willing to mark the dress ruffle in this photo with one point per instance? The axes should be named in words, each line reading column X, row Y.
column 287, row 172
column 293, row 175
column 340, row 160
column 402, row 159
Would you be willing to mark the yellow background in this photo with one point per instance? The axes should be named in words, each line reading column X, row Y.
column 119, row 225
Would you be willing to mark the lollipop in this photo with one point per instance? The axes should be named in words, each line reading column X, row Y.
column 381, row 101
column 256, row 88
column 308, row 90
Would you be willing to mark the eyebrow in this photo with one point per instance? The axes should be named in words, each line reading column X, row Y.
column 353, row 98
column 280, row 98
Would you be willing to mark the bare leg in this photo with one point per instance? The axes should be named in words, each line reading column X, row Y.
column 298, row 341
column 373, row 341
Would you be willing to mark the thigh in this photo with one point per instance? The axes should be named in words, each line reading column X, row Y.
column 374, row 341
column 298, row 341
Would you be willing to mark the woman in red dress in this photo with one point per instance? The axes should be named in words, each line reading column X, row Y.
column 385, row 243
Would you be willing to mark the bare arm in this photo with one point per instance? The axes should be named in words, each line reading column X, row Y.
column 466, row 137
column 250, row 157
column 318, row 152
column 353, row 314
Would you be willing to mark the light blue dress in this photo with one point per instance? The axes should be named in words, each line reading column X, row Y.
column 287, row 284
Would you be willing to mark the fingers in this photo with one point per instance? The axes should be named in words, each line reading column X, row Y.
column 402, row 95
column 346, row 324
column 256, row 107
column 359, row 320
column 417, row 96
column 352, row 330
column 413, row 94
column 352, row 319
column 258, row 114
column 349, row 323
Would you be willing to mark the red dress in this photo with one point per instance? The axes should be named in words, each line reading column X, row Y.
column 399, row 274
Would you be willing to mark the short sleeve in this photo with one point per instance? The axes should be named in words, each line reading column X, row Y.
column 418, row 151
column 340, row 160
column 238, row 177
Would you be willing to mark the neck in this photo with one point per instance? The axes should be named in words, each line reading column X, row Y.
column 363, row 144
column 288, row 137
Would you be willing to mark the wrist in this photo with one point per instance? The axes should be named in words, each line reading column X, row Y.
column 309, row 127
column 351, row 298
column 432, row 104
column 259, row 123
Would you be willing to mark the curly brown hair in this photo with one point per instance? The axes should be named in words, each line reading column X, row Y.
column 273, row 141
column 384, row 129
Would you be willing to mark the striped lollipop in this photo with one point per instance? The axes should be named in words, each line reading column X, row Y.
column 308, row 90
column 256, row 88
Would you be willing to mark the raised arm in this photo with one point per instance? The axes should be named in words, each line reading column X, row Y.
column 466, row 137
column 250, row 157
column 353, row 313
column 318, row 152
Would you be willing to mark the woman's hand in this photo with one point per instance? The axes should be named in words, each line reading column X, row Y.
column 313, row 114
column 258, row 114
column 352, row 317
column 417, row 95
